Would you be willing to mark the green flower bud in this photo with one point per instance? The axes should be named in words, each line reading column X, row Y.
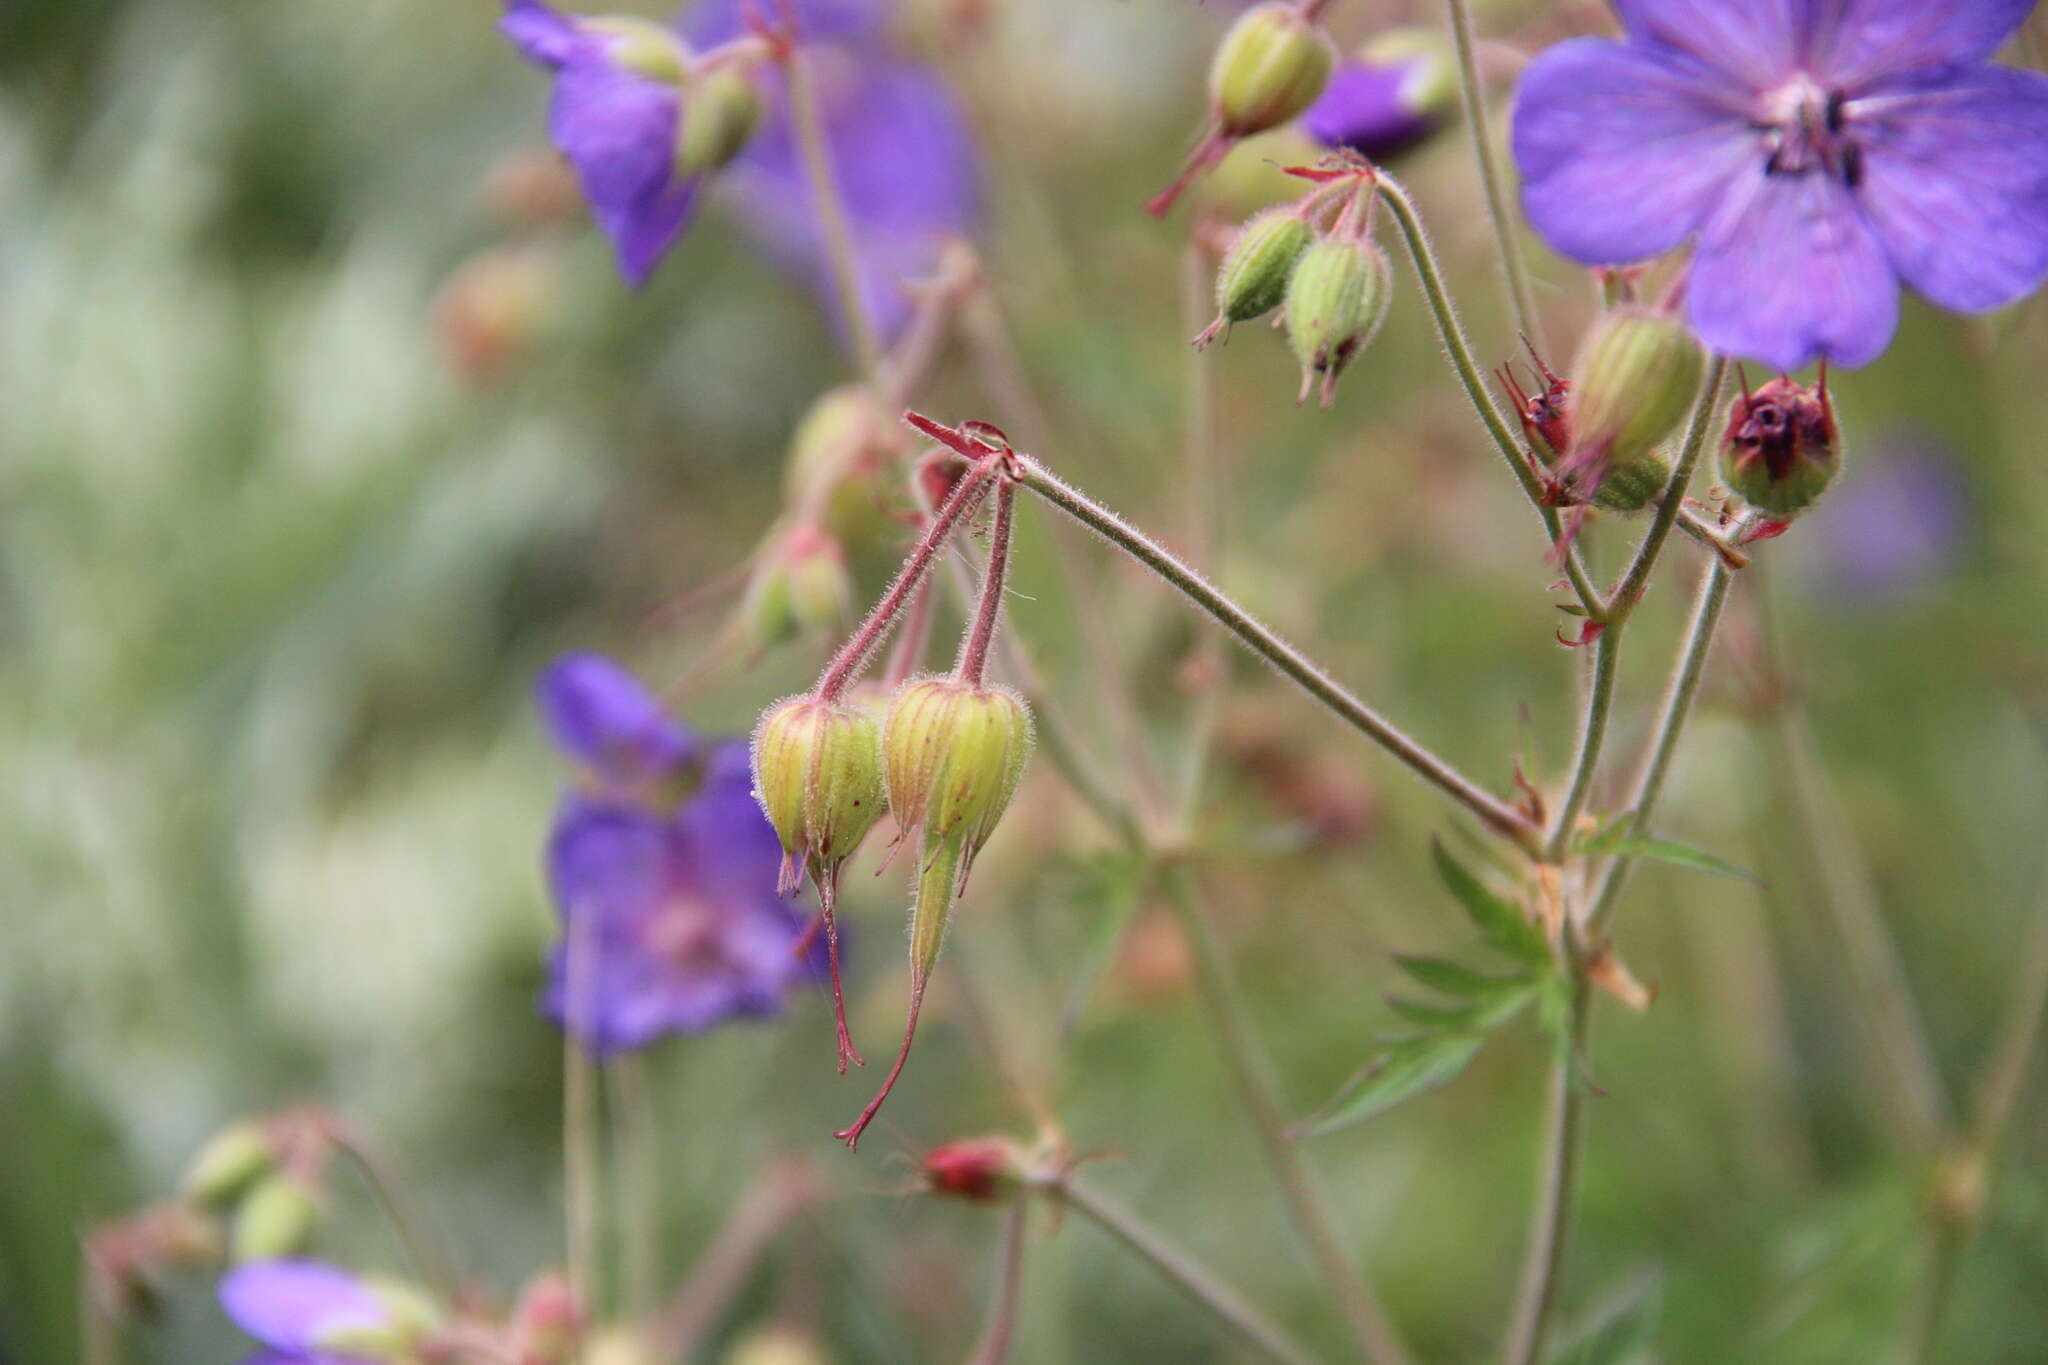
column 274, row 1219
column 641, row 45
column 1634, row 378
column 1252, row 280
column 1629, row 485
column 839, row 462
column 1270, row 66
column 952, row 755
column 1336, row 300
column 719, row 112
column 230, row 1162
column 1782, row 448
column 800, row 585
column 818, row 777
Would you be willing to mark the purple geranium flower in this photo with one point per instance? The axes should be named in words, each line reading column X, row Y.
column 671, row 917
column 901, row 153
column 295, row 1308
column 1817, row 151
column 1388, row 98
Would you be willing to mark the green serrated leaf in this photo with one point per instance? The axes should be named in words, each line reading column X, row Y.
column 1619, row 843
column 1473, row 1018
column 1500, row 923
column 1403, row 1071
column 1451, row 978
column 1109, row 893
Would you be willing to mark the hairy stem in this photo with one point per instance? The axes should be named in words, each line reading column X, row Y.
column 1186, row 1275
column 1630, row 590
column 1513, row 272
column 1592, row 739
column 1550, row 1222
column 1252, row 1073
column 1497, row 814
column 972, row 666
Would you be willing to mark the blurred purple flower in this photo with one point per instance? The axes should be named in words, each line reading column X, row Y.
column 616, row 123
column 1897, row 523
column 671, row 918
column 292, row 1307
column 1820, row 151
column 899, row 144
column 600, row 715
column 1387, row 99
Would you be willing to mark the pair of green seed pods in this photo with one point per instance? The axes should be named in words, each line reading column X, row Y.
column 1332, row 289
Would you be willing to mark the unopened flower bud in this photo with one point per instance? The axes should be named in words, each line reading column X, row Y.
column 1270, row 66
column 1399, row 88
column 1252, row 280
column 1633, row 379
column 953, row 754
column 799, row 586
column 641, row 46
column 495, row 310
column 839, row 460
column 274, row 1220
column 720, row 110
column 1782, row 448
column 982, row 1170
column 1336, row 300
column 231, row 1161
column 1630, row 485
column 818, row 777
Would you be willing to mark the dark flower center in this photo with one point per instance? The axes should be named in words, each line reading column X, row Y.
column 1808, row 127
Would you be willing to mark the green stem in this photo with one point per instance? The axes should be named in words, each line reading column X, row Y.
column 1930, row 1304
column 830, row 207
column 1630, row 590
column 1513, row 272
column 636, row 1147
column 394, row 1196
column 1550, row 1223
column 1252, row 1073
column 1452, row 332
column 1592, row 739
column 579, row 1126
column 1498, row 815
column 994, row 1345
column 1186, row 1275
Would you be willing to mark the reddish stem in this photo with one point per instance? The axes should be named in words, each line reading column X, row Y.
column 1207, row 153
column 850, row 1134
column 972, row 665
column 854, row 654
column 828, row 892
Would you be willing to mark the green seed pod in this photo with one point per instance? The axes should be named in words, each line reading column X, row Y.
column 720, row 110
column 818, row 777
column 1336, row 300
column 1782, row 448
column 800, row 585
column 1633, row 380
column 1630, row 485
column 839, row 461
column 231, row 1161
column 1270, row 66
column 1252, row 280
column 641, row 45
column 952, row 755
column 274, row 1219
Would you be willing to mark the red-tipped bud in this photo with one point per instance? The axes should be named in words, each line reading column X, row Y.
column 983, row 1170
column 1782, row 448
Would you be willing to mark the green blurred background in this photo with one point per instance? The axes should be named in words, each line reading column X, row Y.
column 278, row 572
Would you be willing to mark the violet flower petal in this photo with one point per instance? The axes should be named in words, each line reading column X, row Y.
column 1789, row 271
column 1750, row 42
column 600, row 714
column 289, row 1305
column 1955, row 182
column 1366, row 107
column 542, row 33
column 619, row 130
column 1623, row 150
column 1854, row 41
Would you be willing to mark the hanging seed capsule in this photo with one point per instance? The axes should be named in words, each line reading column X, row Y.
column 273, row 1220
column 231, row 1161
column 799, row 586
column 1252, row 280
column 818, row 777
column 840, row 461
column 1782, row 448
column 719, row 112
column 1336, row 300
column 1633, row 379
column 952, row 756
column 1269, row 67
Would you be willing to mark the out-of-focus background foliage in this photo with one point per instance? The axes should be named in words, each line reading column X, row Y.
column 276, row 575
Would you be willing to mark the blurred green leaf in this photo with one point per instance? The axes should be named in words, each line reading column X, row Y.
column 1403, row 1071
column 1620, row 844
column 1501, row 924
column 1466, row 1018
column 1451, row 978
